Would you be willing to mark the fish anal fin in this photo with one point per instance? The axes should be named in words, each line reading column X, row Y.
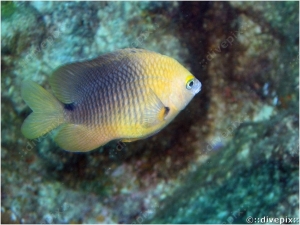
column 79, row 138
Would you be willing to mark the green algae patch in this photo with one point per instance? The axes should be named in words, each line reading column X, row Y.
column 7, row 9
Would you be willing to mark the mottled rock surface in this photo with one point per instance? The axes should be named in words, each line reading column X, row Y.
column 232, row 153
column 256, row 174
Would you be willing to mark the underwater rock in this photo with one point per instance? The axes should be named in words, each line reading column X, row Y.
column 256, row 174
column 235, row 142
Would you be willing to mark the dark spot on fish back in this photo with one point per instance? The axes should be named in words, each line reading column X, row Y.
column 69, row 107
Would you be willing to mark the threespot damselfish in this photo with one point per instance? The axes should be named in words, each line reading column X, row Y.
column 125, row 95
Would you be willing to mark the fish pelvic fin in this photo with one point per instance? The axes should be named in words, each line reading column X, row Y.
column 47, row 112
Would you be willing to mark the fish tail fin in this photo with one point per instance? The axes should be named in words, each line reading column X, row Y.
column 48, row 112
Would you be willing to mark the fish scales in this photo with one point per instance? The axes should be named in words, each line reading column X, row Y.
column 109, row 119
column 96, row 116
column 121, row 106
column 130, row 99
column 104, row 116
column 109, row 92
column 92, row 109
column 139, row 103
column 134, row 98
column 126, row 95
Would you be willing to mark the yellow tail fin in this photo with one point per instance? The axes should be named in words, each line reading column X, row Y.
column 47, row 110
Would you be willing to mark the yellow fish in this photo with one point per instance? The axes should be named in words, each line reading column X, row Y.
column 126, row 95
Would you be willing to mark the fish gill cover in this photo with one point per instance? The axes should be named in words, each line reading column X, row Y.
column 231, row 156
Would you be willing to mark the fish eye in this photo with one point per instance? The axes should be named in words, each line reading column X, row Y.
column 190, row 84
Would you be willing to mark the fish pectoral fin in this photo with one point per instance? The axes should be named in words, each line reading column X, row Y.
column 156, row 111
column 78, row 138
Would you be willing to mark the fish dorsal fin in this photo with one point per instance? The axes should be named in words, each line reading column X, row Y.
column 71, row 82
column 156, row 111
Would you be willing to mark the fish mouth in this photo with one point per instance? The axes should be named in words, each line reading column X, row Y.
column 197, row 86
